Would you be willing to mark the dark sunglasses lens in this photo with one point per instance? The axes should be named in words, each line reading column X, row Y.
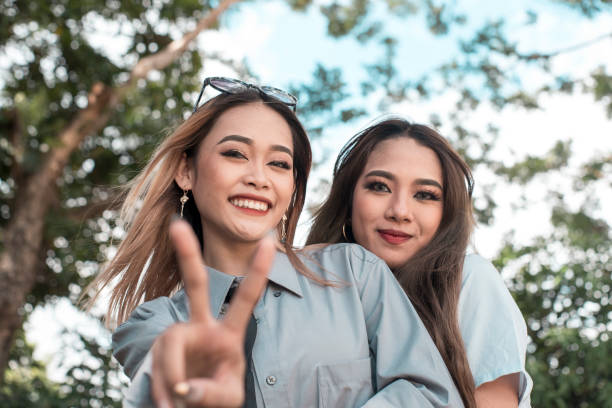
column 227, row 85
column 279, row 94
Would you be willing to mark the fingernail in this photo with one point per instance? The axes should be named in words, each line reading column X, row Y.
column 195, row 394
column 175, row 217
column 163, row 404
column 181, row 389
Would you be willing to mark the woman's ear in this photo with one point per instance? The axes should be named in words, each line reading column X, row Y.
column 184, row 174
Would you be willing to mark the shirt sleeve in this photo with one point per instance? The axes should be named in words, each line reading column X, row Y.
column 138, row 394
column 134, row 337
column 492, row 326
column 409, row 370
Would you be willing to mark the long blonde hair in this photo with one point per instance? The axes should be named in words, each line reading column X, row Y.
column 145, row 266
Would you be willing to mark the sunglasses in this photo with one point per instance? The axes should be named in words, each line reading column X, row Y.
column 234, row 86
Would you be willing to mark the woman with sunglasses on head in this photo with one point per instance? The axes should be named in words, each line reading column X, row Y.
column 332, row 328
column 409, row 202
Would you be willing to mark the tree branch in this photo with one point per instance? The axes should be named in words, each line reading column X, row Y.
column 170, row 52
column 571, row 48
column 23, row 236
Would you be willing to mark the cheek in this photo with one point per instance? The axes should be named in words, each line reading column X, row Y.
column 432, row 221
column 285, row 188
column 361, row 216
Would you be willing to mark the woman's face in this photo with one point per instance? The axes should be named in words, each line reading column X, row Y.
column 242, row 175
column 397, row 201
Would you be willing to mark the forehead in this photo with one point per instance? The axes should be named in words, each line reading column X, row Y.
column 256, row 121
column 404, row 156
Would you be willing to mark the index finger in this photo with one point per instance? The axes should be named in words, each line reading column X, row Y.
column 249, row 291
column 193, row 270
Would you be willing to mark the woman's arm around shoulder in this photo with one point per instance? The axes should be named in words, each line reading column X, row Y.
column 409, row 370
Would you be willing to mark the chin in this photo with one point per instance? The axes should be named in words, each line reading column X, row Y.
column 393, row 262
column 252, row 234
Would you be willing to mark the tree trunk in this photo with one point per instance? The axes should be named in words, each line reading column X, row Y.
column 22, row 237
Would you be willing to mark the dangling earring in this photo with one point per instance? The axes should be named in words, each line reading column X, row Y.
column 284, row 228
column 344, row 232
column 183, row 200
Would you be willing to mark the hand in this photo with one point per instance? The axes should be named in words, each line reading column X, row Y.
column 201, row 362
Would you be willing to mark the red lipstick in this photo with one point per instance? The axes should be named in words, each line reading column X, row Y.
column 394, row 237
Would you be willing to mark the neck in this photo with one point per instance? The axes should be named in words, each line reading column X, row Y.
column 229, row 256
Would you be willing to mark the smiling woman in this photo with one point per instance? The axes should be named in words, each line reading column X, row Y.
column 332, row 327
column 410, row 196
column 242, row 181
column 399, row 197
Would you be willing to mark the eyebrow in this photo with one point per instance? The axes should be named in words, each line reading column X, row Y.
column 248, row 141
column 389, row 176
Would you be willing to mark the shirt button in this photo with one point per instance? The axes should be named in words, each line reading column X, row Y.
column 270, row 380
column 277, row 293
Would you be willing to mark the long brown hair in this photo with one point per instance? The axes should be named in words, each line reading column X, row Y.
column 145, row 266
column 432, row 277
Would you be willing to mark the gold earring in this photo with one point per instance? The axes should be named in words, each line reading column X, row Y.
column 284, row 228
column 344, row 232
column 183, row 200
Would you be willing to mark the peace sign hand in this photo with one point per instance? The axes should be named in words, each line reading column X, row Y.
column 201, row 362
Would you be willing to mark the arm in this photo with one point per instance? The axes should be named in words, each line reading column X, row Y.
column 409, row 370
column 134, row 338
column 499, row 393
column 494, row 335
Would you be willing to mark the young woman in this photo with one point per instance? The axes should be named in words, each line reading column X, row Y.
column 333, row 327
column 409, row 202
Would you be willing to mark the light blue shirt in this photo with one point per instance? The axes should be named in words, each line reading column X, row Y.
column 492, row 327
column 360, row 344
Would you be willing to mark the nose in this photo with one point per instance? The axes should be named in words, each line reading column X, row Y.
column 256, row 176
column 400, row 209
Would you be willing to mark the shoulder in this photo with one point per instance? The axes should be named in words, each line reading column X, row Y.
column 491, row 324
column 343, row 251
column 134, row 337
column 173, row 308
column 343, row 258
column 482, row 283
column 479, row 273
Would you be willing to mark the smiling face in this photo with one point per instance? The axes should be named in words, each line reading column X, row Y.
column 242, row 174
column 397, row 202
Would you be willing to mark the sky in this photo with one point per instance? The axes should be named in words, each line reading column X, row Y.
column 283, row 47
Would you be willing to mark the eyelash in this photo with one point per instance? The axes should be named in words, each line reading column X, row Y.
column 430, row 195
column 376, row 187
column 233, row 153
column 239, row 155
column 380, row 187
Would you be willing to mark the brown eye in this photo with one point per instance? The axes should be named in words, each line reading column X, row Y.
column 427, row 195
column 281, row 164
column 378, row 187
column 233, row 153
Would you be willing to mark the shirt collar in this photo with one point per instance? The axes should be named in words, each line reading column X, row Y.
column 219, row 283
column 282, row 274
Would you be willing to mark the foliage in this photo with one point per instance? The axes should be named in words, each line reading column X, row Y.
column 95, row 382
column 561, row 280
column 565, row 296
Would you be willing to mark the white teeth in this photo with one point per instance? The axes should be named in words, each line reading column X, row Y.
column 252, row 204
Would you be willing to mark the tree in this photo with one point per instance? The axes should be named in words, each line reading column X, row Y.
column 62, row 92
column 78, row 119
